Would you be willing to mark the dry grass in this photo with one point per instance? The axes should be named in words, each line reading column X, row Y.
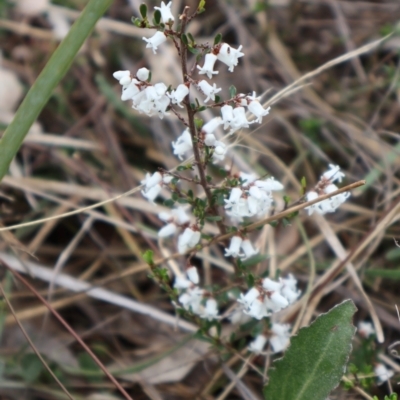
column 92, row 148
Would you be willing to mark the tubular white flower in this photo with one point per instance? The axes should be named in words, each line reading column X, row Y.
column 227, row 115
column 382, row 373
column 234, row 247
column 191, row 299
column 183, row 144
column 270, row 285
column 211, row 125
column 143, row 74
column 235, row 195
column 124, row 77
column 130, row 91
column 239, row 119
column 309, row 197
column 248, row 299
column 210, row 139
column 193, row 275
column 269, row 184
column 257, row 310
column 247, row 178
column 208, row 90
column 165, row 10
column 167, row 230
column 180, row 216
column 248, row 249
column 208, row 67
column 155, row 41
column 187, row 240
column 210, row 311
column 182, row 283
column 333, row 174
column 257, row 345
column 219, row 152
column 151, row 193
column 365, row 329
column 151, row 180
column 255, row 192
column 229, row 56
column 178, row 94
column 279, row 301
column 257, row 109
column 280, row 339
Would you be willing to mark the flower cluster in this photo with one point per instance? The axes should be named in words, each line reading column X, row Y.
column 270, row 297
column 193, row 298
column 279, row 339
column 326, row 186
column 253, row 198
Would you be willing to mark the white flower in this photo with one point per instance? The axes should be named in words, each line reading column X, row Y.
column 257, row 345
column 365, row 329
column 277, row 302
column 236, row 194
column 208, row 67
column 211, row 125
column 152, row 193
column 193, row 275
column 143, row 74
column 183, row 144
column 257, row 109
column 247, row 178
column 165, row 11
column 210, row 139
column 269, row 184
column 229, row 56
column 178, row 94
column 234, row 247
column 153, row 42
column 239, row 119
column 310, row 196
column 227, row 115
column 151, row 180
column 210, row 311
column 248, row 249
column 187, row 240
column 130, row 91
column 191, row 299
column 248, row 299
column 219, row 152
column 124, row 77
column 333, row 174
column 281, row 337
column 208, row 90
column 167, row 230
column 289, row 289
column 270, row 285
column 383, row 373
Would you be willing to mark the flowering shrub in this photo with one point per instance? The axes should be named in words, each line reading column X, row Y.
column 232, row 202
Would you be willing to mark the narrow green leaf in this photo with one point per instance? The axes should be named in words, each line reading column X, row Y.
column 148, row 257
column 393, row 274
column 254, row 260
column 217, row 39
column 157, row 17
column 316, row 359
column 48, row 79
column 232, row 91
column 143, row 10
column 185, row 39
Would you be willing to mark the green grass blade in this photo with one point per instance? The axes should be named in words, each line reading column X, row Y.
column 48, row 79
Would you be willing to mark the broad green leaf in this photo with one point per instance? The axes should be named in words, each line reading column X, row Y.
column 48, row 79
column 316, row 359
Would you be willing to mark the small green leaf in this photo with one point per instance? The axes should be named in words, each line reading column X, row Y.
column 157, row 17
column 143, row 10
column 315, row 361
column 217, row 99
column 182, row 201
column 191, row 38
column 169, row 203
column 198, row 122
column 185, row 39
column 303, row 185
column 201, row 6
column 232, row 91
column 148, row 257
column 217, row 39
column 214, row 218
